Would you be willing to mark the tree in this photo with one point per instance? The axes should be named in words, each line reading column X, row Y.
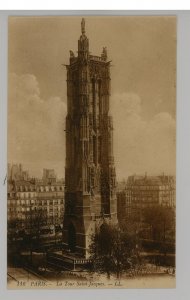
column 112, row 250
column 161, row 219
column 162, row 223
column 36, row 219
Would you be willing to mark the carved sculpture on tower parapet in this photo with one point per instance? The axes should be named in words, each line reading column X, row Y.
column 104, row 54
column 72, row 55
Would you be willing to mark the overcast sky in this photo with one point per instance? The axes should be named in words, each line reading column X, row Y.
column 143, row 100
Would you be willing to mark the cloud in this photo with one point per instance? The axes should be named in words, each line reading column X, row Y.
column 36, row 134
column 130, row 103
column 35, row 125
column 141, row 145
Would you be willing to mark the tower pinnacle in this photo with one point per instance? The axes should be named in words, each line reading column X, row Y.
column 83, row 26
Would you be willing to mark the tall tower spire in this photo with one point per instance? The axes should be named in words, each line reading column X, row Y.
column 83, row 44
column 90, row 183
column 83, row 26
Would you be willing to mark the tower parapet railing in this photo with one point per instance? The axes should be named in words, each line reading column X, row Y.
column 97, row 58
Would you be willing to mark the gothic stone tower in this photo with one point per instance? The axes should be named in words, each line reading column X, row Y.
column 90, row 173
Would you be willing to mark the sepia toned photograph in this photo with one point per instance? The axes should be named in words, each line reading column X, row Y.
column 91, row 176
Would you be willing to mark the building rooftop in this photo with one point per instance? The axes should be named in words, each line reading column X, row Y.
column 150, row 180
